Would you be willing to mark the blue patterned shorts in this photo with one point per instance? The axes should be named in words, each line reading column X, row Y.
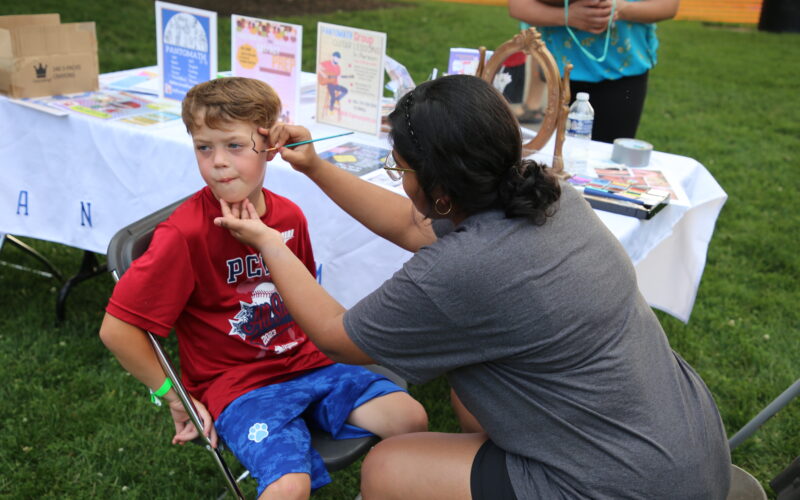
column 266, row 428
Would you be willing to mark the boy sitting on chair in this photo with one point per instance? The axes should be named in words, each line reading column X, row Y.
column 245, row 362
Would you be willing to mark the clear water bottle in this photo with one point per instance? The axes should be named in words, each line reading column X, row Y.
column 579, row 127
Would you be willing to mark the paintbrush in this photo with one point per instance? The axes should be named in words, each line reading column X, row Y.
column 305, row 142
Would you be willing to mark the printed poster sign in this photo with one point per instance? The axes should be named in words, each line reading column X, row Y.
column 350, row 77
column 269, row 51
column 187, row 47
column 465, row 61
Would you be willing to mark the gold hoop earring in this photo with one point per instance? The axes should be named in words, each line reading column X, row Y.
column 438, row 210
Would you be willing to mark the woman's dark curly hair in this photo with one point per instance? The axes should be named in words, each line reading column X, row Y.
column 458, row 134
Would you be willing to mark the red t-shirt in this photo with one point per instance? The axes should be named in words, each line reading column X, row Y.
column 234, row 332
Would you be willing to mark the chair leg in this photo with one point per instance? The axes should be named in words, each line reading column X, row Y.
column 169, row 369
column 239, row 479
column 233, row 483
column 745, row 432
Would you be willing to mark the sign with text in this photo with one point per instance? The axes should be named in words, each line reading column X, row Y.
column 269, row 51
column 186, row 39
column 465, row 61
column 350, row 77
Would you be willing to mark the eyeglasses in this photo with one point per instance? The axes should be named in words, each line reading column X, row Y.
column 394, row 172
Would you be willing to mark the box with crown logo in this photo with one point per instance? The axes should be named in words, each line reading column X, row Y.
column 40, row 56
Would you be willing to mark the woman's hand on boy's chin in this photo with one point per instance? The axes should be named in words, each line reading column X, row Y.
column 301, row 158
column 243, row 222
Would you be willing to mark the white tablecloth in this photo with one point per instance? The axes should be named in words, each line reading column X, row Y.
column 77, row 180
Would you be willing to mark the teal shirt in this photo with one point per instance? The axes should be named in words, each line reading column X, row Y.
column 631, row 50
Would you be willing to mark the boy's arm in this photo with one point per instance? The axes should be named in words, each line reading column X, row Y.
column 387, row 214
column 133, row 350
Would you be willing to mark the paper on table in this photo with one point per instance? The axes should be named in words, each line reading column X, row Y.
column 358, row 159
column 143, row 82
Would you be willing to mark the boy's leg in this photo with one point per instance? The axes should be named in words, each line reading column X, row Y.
column 358, row 402
column 390, row 415
column 291, row 486
column 265, row 430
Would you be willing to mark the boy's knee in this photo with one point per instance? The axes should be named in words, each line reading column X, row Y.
column 405, row 416
column 415, row 418
column 390, row 415
column 289, row 486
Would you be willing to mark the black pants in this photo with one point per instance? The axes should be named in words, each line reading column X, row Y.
column 617, row 104
column 489, row 478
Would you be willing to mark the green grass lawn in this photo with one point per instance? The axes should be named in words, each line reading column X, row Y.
column 75, row 425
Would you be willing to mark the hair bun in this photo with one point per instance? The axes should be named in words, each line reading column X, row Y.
column 529, row 189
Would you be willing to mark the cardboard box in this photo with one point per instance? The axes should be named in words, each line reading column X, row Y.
column 40, row 56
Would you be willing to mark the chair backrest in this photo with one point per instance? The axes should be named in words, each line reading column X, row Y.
column 131, row 241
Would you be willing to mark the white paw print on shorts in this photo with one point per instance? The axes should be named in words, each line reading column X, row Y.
column 258, row 432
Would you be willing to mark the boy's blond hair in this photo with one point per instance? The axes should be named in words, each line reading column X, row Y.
column 225, row 100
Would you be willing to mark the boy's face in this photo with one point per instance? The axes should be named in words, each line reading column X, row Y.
column 227, row 162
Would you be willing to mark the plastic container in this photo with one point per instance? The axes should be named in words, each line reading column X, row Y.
column 579, row 128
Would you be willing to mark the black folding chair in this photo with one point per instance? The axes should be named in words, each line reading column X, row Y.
column 129, row 243
column 787, row 483
column 768, row 412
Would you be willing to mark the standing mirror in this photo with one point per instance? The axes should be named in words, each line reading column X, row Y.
column 524, row 71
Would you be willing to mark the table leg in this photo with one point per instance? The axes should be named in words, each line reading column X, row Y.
column 89, row 269
column 52, row 271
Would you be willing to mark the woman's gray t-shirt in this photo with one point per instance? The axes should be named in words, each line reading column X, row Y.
column 543, row 334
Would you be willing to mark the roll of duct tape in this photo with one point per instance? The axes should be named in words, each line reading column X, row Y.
column 631, row 152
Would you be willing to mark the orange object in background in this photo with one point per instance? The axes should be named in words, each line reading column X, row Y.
column 722, row 11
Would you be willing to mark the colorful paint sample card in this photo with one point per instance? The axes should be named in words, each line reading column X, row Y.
column 622, row 196
column 350, row 77
column 187, row 48
column 639, row 177
column 269, row 51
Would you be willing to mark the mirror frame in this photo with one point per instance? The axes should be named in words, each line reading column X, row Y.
column 530, row 42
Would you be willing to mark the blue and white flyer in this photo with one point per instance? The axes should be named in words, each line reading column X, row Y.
column 186, row 39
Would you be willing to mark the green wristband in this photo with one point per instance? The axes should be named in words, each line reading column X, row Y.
column 165, row 387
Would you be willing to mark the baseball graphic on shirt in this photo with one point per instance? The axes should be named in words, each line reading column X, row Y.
column 262, row 293
column 264, row 321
